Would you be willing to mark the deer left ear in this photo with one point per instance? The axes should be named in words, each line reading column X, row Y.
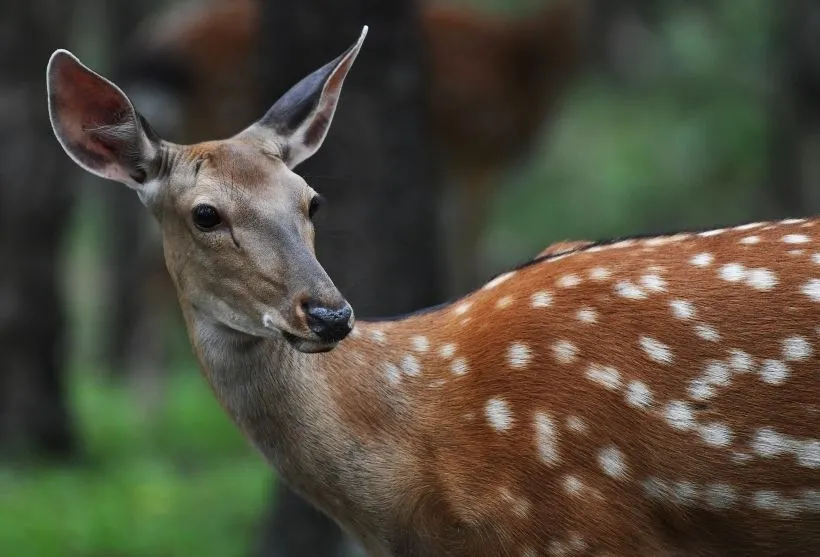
column 301, row 118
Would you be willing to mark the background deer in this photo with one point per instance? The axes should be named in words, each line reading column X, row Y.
column 647, row 396
column 494, row 83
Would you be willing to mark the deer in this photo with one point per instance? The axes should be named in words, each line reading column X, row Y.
column 640, row 396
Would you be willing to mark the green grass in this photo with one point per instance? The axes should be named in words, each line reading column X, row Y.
column 178, row 480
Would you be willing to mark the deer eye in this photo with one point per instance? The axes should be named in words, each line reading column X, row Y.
column 206, row 217
column 315, row 203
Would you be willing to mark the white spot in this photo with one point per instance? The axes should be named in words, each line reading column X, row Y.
column 733, row 272
column 498, row 414
column 682, row 309
column 557, row 549
column 768, row 443
column 462, row 308
column 796, row 251
column 459, row 366
column 612, row 462
column 572, row 485
column 587, row 315
column 720, row 496
column 683, row 493
column 748, row 226
column 656, row 242
column 656, row 350
column 447, row 351
column 715, row 232
column 546, row 439
column 520, row 506
column 740, row 361
column 569, row 281
column 812, row 289
column 355, row 332
column 792, row 221
column 679, row 415
column 628, row 243
column 392, row 373
column 498, row 280
column 716, row 434
column 565, row 352
column 811, row 500
column 607, row 376
column 420, row 343
column 577, row 543
column 740, row 457
column 653, row 282
column 761, row 279
column 378, row 336
column 795, row 239
column 808, row 454
column 702, row 260
column 504, row 302
column 717, row 373
column 518, row 355
column 796, row 349
column 638, row 395
column 766, row 499
column 816, row 258
column 541, row 299
column 576, row 424
column 410, row 365
column 629, row 290
column 700, row 389
column 599, row 273
column 750, row 240
column 774, row 372
column 655, row 488
column 707, row 332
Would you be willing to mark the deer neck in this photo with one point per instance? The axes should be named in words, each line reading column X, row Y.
column 326, row 422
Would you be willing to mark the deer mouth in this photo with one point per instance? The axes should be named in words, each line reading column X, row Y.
column 308, row 346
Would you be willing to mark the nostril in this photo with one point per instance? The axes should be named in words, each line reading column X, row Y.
column 331, row 325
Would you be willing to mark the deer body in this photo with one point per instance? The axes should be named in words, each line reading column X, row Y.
column 649, row 397
column 653, row 396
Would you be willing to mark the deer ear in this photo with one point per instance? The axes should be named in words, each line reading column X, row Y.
column 302, row 116
column 98, row 126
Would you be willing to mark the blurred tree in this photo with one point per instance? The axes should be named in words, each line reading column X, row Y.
column 620, row 35
column 795, row 109
column 36, row 194
column 126, row 345
column 378, row 237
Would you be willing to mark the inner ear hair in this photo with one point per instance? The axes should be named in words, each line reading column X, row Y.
column 123, row 139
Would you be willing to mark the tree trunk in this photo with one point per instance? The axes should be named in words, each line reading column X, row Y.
column 378, row 236
column 36, row 195
column 795, row 110
column 138, row 286
column 620, row 36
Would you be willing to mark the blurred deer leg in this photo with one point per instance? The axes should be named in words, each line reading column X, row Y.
column 294, row 525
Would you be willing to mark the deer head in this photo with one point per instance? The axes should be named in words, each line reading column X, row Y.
column 235, row 217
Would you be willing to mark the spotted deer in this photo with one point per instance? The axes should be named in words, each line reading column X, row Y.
column 651, row 396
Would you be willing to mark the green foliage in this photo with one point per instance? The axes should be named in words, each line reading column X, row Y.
column 178, row 480
column 682, row 142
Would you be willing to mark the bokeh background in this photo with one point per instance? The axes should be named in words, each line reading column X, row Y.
column 471, row 134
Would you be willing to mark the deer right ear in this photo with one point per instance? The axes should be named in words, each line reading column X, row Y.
column 301, row 118
column 98, row 126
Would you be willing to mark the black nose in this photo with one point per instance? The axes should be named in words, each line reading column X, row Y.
column 330, row 325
